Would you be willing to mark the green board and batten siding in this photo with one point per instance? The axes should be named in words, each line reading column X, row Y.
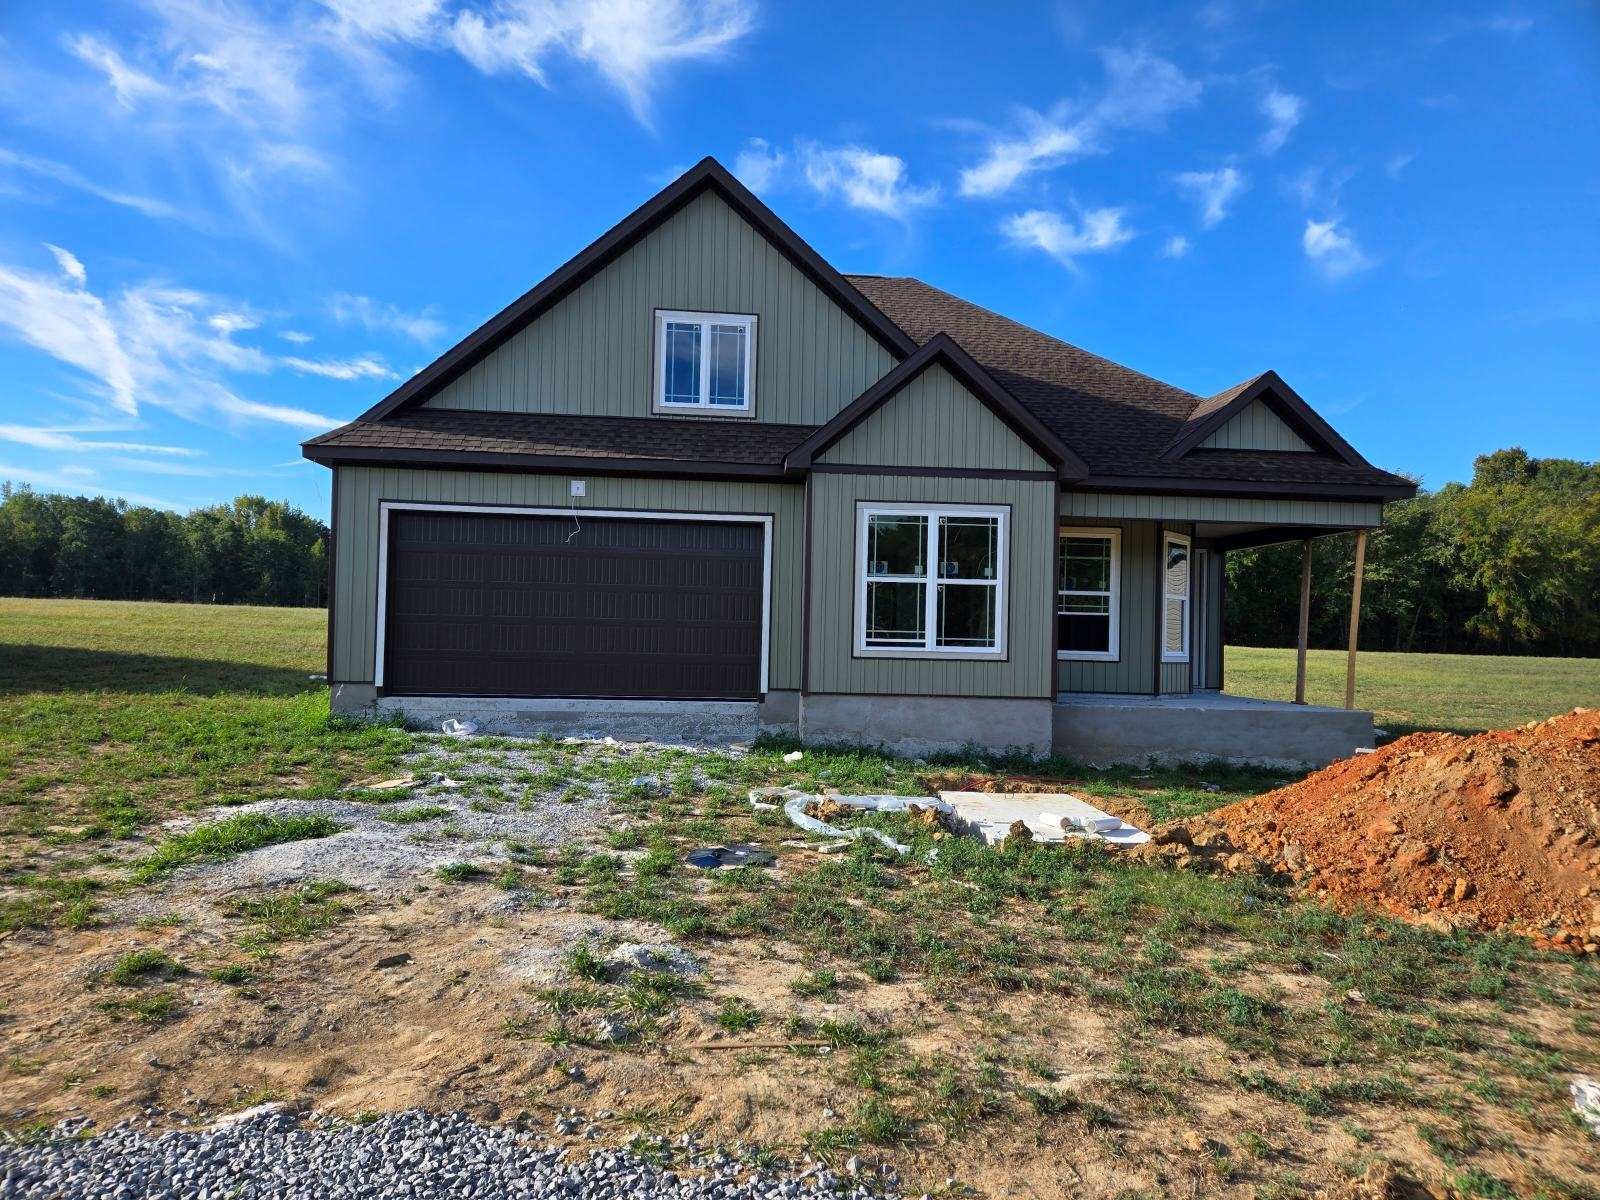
column 934, row 422
column 361, row 489
column 594, row 352
column 1138, row 611
column 1026, row 671
column 1256, row 428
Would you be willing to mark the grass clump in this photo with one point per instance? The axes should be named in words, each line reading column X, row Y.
column 289, row 916
column 461, row 872
column 138, row 966
column 738, row 1016
column 224, row 839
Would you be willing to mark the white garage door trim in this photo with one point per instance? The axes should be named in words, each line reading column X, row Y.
column 385, row 507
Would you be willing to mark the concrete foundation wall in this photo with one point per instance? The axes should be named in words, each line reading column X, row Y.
column 1278, row 736
column 691, row 722
column 914, row 726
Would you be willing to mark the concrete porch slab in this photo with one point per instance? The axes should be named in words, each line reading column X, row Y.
column 1101, row 728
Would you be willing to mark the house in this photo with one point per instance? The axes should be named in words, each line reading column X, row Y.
column 699, row 483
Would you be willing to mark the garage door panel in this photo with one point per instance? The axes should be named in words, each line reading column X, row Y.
column 490, row 604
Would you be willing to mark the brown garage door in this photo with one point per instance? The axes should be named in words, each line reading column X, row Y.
column 492, row 605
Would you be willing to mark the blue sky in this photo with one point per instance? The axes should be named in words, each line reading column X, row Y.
column 226, row 225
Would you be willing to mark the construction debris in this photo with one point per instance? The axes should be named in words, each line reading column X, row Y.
column 458, row 729
column 1049, row 817
column 1586, row 1102
column 728, row 858
column 994, row 817
column 1500, row 830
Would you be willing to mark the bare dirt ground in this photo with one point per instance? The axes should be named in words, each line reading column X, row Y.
column 411, row 984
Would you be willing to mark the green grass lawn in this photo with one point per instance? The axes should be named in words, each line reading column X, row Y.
column 1407, row 692
column 115, row 715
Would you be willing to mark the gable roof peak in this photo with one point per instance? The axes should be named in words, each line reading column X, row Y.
column 706, row 175
column 1212, row 413
column 943, row 350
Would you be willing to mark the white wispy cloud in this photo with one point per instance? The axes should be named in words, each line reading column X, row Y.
column 129, row 84
column 1140, row 91
column 629, row 42
column 1283, row 112
column 1333, row 249
column 1395, row 166
column 377, row 317
column 757, row 165
column 863, row 178
column 1176, row 246
column 44, row 168
column 152, row 343
column 295, row 337
column 1096, row 232
column 67, row 440
column 1213, row 191
column 367, row 367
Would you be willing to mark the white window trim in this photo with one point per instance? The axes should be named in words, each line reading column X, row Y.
column 1187, row 598
column 658, row 393
column 865, row 511
column 1114, row 654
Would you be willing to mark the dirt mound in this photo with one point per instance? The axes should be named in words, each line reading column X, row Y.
column 1496, row 831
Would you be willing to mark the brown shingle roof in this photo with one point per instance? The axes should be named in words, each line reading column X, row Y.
column 1116, row 419
column 642, row 439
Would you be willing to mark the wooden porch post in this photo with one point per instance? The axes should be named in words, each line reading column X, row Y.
column 1355, row 619
column 1305, row 622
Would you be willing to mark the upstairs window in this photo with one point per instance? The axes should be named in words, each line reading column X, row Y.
column 931, row 581
column 1175, row 598
column 704, row 362
column 1088, row 613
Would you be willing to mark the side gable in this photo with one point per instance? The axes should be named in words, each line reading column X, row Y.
column 1256, row 427
column 1266, row 392
column 934, row 421
column 581, row 340
column 968, row 384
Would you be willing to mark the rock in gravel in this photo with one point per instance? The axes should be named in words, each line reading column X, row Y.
column 640, row 956
column 268, row 1152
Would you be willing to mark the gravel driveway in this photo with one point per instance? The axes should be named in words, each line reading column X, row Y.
column 272, row 1153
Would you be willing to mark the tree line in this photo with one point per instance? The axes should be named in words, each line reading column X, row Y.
column 252, row 551
column 1506, row 564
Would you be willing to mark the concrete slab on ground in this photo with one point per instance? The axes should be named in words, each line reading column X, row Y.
column 1049, row 816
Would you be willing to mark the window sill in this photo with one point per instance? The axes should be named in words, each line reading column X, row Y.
column 932, row 655
column 1087, row 656
column 1174, row 658
column 658, row 409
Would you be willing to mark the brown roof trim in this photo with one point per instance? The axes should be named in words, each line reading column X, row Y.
column 1284, row 400
column 707, row 174
column 1169, row 486
column 943, row 350
column 934, row 472
column 472, row 460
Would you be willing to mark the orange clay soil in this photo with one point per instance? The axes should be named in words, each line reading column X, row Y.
column 1496, row 831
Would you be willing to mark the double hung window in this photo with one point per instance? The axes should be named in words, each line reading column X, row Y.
column 931, row 581
column 1088, row 588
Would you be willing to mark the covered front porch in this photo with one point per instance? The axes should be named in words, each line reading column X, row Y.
column 1160, row 695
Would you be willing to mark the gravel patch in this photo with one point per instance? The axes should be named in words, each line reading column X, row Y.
column 271, row 1152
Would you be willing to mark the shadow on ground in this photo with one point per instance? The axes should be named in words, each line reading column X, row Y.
column 32, row 668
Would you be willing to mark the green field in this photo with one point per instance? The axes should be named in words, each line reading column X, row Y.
column 1407, row 692
column 114, row 715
